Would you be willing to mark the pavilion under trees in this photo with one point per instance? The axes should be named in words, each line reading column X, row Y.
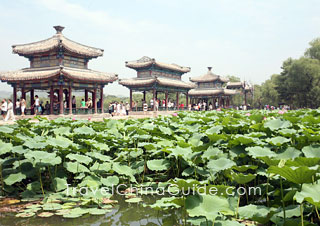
column 210, row 88
column 155, row 77
column 58, row 66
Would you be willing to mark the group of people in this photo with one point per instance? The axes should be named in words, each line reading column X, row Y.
column 7, row 108
column 119, row 108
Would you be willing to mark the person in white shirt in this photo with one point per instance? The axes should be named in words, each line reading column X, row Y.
column 36, row 105
column 151, row 104
column 10, row 114
column 4, row 108
column 118, row 109
column 18, row 107
column 23, row 106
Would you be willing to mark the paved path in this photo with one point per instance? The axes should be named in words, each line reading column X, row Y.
column 92, row 117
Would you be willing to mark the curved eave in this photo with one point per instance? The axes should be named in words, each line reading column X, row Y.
column 147, row 82
column 139, row 65
column 47, row 45
column 209, row 79
column 211, row 92
column 30, row 74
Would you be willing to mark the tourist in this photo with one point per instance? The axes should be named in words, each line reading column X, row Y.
column 118, row 109
column 163, row 103
column 10, row 114
column 89, row 103
column 157, row 105
column 145, row 107
column 151, row 103
column 127, row 108
column 83, row 103
column 123, row 109
column 210, row 107
column 189, row 107
column 18, row 107
column 47, row 108
column 204, row 106
column 36, row 105
column 4, row 108
column 74, row 102
column 110, row 109
column 23, row 106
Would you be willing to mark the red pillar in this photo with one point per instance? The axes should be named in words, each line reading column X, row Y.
column 70, row 100
column 23, row 93
column 32, row 100
column 61, row 99
column 187, row 100
column 166, row 100
column 144, row 95
column 177, row 101
column 154, row 99
column 51, row 100
column 94, row 99
column 85, row 95
column 130, row 99
column 14, row 99
column 101, row 99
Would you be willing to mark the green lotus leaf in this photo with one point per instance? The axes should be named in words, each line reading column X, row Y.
column 75, row 167
column 277, row 124
column 214, row 129
column 59, row 142
column 297, row 175
column 165, row 130
column 51, row 206
column 220, row 164
column 79, row 158
column 43, row 157
column 212, row 152
column 59, row 183
column 258, row 213
column 96, row 211
column 289, row 153
column 244, row 168
column 110, row 181
column 84, row 130
column 309, row 193
column 278, row 141
column 5, row 147
column 6, row 129
column 207, row 206
column 34, row 144
column 181, row 152
column 241, row 178
column 124, row 170
column 75, row 213
column 101, row 167
column 158, row 164
column 258, row 151
column 14, row 178
column 62, row 131
column 25, row 214
column 312, row 151
column 303, row 161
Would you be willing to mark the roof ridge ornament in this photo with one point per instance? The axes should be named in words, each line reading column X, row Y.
column 59, row 29
column 209, row 68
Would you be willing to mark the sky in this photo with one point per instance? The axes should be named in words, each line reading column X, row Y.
column 246, row 38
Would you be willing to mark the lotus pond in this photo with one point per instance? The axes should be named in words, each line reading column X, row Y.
column 276, row 153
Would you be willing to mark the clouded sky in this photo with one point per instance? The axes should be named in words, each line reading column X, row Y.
column 246, row 38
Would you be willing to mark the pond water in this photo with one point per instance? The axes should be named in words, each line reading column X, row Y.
column 123, row 214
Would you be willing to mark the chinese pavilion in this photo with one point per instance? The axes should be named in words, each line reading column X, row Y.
column 244, row 88
column 157, row 77
column 58, row 65
column 210, row 88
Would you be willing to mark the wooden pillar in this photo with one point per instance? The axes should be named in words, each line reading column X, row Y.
column 85, row 95
column 245, row 98
column 101, row 99
column 130, row 99
column 61, row 100
column 94, row 99
column 23, row 93
column 228, row 101
column 187, row 100
column 14, row 99
column 156, row 95
column 32, row 100
column 144, row 95
column 154, row 99
column 51, row 100
column 166, row 95
column 70, row 100
column 177, row 101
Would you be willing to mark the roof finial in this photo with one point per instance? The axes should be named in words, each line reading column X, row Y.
column 58, row 29
column 209, row 68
